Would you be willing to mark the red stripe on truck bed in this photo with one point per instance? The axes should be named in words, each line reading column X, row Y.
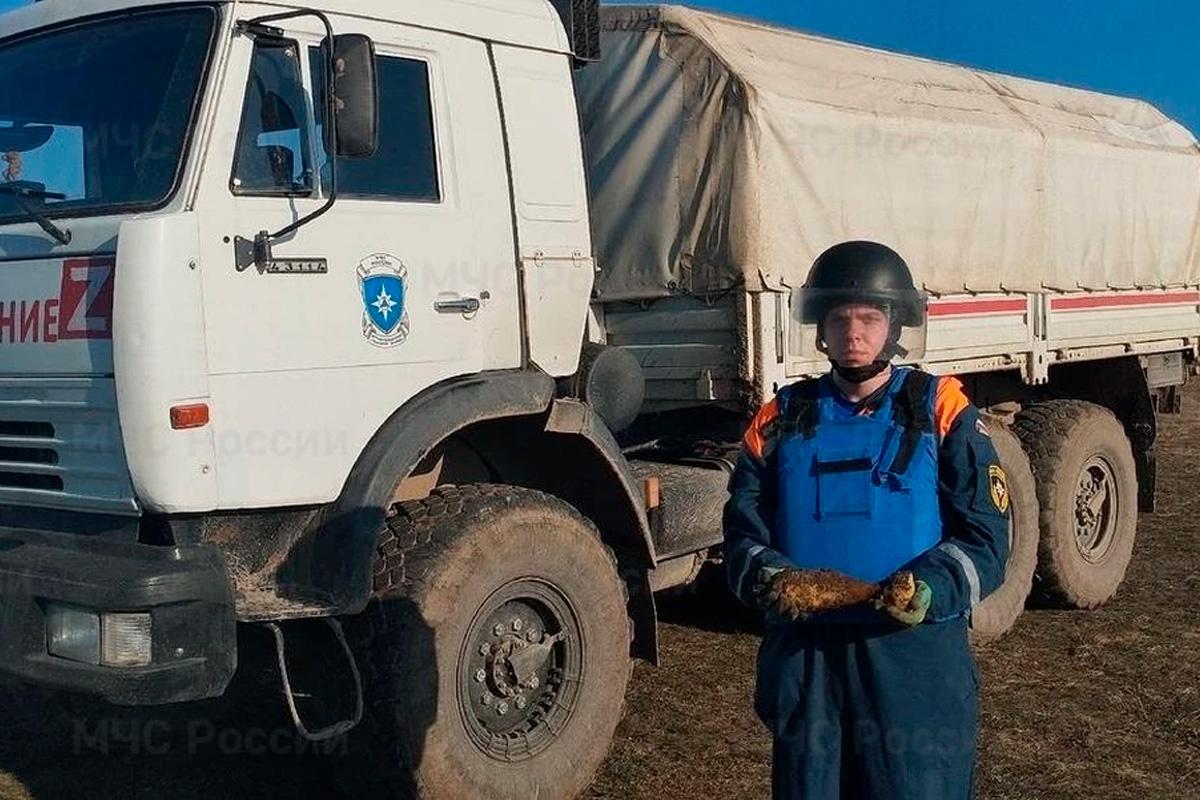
column 952, row 308
column 1124, row 300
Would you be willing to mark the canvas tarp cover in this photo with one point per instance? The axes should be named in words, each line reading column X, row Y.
column 726, row 153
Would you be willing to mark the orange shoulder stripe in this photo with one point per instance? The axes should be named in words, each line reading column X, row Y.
column 755, row 440
column 949, row 402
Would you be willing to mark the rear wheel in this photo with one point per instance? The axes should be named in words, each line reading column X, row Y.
column 993, row 618
column 496, row 653
column 1087, row 487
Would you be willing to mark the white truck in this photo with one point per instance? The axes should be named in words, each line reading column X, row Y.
column 300, row 319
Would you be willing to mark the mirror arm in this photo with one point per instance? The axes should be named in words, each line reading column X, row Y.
column 258, row 27
column 252, row 27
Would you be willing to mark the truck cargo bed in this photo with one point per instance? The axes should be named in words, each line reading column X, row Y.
column 732, row 349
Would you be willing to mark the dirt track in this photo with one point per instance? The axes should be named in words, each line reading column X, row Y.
column 1075, row 705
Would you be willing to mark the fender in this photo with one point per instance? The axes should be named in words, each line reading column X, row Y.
column 574, row 418
column 622, row 519
column 337, row 556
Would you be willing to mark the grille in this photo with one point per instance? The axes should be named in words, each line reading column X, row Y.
column 60, row 445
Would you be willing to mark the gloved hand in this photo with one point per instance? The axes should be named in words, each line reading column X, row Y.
column 767, row 592
column 912, row 612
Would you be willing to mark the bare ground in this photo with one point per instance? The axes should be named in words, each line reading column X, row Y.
column 1075, row 704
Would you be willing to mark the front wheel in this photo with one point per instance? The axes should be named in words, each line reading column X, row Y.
column 496, row 653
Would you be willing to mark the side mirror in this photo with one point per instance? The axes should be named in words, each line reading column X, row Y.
column 355, row 95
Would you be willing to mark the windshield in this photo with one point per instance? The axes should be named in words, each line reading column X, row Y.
column 94, row 117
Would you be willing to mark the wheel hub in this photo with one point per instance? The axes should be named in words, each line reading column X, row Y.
column 519, row 670
column 514, row 663
column 1095, row 509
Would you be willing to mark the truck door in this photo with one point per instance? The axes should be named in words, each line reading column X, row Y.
column 408, row 280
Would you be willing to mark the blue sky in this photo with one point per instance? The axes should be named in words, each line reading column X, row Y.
column 1142, row 49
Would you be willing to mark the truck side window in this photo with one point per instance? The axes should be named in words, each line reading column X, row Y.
column 272, row 150
column 405, row 165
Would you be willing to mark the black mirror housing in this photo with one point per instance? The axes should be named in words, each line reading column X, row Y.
column 355, row 95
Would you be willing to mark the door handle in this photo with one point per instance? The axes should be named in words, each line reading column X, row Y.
column 459, row 305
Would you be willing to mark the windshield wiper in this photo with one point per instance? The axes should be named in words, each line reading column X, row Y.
column 22, row 193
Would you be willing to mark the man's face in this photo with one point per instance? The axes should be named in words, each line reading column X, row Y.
column 855, row 334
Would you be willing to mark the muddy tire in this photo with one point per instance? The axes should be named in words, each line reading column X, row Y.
column 495, row 654
column 993, row 618
column 1087, row 487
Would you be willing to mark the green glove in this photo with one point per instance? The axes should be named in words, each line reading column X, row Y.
column 918, row 607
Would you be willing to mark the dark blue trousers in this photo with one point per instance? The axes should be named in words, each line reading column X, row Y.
column 870, row 710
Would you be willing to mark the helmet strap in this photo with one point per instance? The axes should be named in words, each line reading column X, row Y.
column 892, row 349
column 859, row 374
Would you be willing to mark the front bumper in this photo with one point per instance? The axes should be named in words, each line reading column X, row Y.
column 186, row 590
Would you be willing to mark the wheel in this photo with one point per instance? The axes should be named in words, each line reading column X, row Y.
column 993, row 618
column 1087, row 488
column 495, row 656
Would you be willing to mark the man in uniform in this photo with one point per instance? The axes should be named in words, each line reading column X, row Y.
column 865, row 474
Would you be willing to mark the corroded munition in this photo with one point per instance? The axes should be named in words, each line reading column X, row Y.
column 812, row 590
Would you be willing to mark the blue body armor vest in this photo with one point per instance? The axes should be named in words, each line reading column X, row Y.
column 858, row 493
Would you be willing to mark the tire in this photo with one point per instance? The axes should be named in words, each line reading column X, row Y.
column 996, row 615
column 455, row 572
column 1087, row 487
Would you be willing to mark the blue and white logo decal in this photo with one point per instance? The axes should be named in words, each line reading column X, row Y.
column 383, row 283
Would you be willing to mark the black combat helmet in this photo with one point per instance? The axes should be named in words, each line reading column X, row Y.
column 862, row 272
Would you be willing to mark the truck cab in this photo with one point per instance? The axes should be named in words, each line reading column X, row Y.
column 164, row 179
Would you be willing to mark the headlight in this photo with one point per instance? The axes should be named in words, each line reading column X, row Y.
column 73, row 633
column 110, row 639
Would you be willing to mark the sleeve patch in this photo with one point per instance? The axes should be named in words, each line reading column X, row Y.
column 998, row 487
